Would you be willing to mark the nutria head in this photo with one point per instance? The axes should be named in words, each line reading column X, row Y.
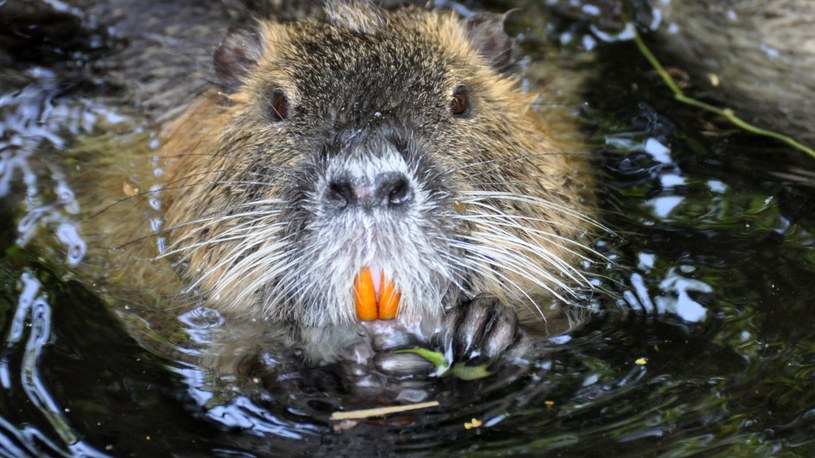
column 376, row 139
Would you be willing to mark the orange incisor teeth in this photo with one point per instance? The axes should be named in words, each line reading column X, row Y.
column 369, row 307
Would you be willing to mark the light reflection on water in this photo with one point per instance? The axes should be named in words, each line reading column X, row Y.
column 714, row 274
column 32, row 322
column 33, row 121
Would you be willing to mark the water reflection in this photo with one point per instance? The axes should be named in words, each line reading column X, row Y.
column 714, row 272
column 32, row 322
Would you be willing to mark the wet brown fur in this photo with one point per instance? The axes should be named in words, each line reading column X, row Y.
column 502, row 148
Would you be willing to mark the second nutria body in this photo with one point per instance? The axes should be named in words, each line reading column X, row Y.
column 373, row 139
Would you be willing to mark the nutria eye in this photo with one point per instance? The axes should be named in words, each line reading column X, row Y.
column 279, row 106
column 460, row 103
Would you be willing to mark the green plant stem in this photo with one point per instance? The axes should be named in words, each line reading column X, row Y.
column 723, row 112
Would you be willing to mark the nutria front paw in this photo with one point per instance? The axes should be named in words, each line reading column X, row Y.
column 483, row 331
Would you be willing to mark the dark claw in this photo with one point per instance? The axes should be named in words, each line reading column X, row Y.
column 483, row 331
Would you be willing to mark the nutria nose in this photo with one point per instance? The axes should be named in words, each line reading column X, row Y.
column 389, row 189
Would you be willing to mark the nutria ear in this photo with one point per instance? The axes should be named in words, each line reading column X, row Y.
column 240, row 50
column 486, row 34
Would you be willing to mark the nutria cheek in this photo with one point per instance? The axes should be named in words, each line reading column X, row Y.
column 375, row 300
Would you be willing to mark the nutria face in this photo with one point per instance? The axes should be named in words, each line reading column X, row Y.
column 379, row 140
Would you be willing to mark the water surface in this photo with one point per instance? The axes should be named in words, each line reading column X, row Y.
column 704, row 343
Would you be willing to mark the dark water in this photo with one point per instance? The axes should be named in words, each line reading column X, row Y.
column 710, row 291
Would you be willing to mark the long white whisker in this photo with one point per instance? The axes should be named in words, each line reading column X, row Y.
column 479, row 196
column 561, row 265
column 226, row 236
column 519, row 265
column 243, row 248
column 487, row 272
column 497, row 220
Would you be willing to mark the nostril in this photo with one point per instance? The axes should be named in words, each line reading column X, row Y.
column 341, row 193
column 399, row 193
column 394, row 189
column 390, row 189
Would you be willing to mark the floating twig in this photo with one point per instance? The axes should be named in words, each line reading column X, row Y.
column 381, row 411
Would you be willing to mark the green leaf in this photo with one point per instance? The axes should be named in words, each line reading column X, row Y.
column 465, row 372
column 461, row 370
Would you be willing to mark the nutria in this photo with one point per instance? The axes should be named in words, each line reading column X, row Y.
column 373, row 139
